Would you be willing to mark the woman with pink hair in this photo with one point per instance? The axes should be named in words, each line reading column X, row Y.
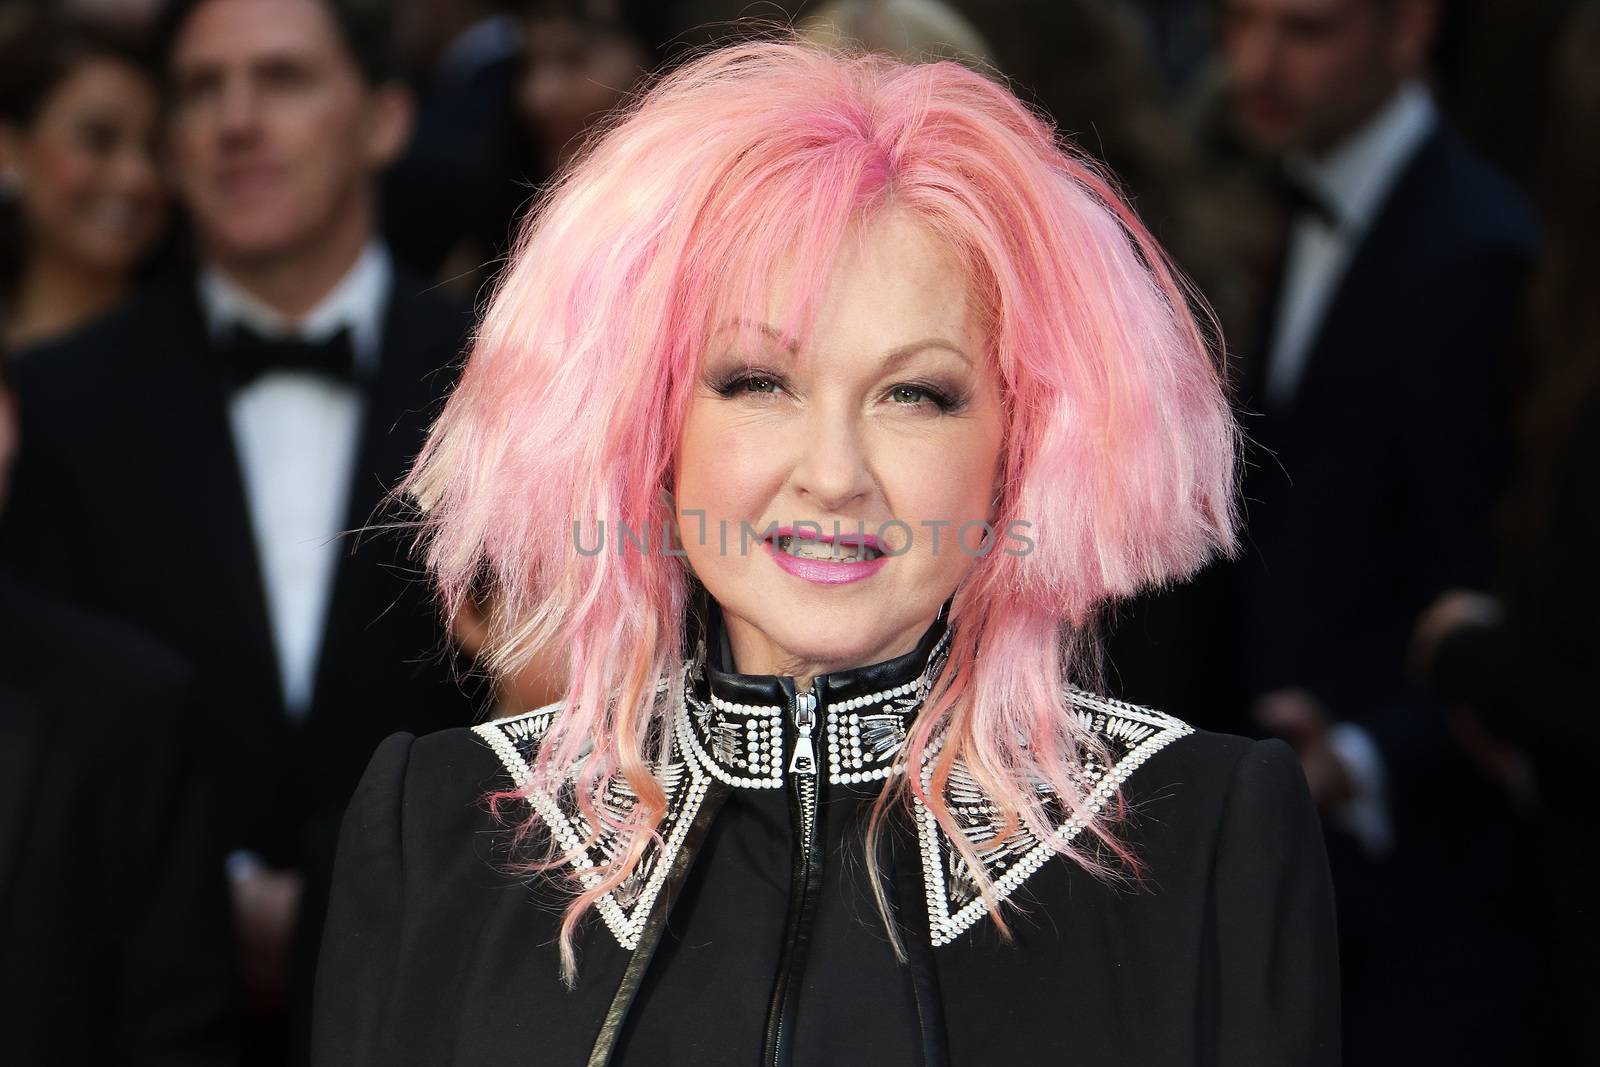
column 824, row 404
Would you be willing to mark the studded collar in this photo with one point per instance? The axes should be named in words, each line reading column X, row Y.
column 735, row 722
column 720, row 742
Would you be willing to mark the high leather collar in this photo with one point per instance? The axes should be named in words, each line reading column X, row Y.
column 737, row 720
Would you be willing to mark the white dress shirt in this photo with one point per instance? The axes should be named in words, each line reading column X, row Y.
column 297, row 435
column 1353, row 181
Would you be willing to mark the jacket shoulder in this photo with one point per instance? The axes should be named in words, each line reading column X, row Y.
column 107, row 345
column 1469, row 201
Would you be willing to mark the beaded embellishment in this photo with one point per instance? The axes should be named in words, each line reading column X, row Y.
column 1132, row 734
column 742, row 746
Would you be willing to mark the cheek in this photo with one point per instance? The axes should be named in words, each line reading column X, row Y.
column 186, row 159
column 951, row 489
column 722, row 468
column 59, row 177
column 1330, row 71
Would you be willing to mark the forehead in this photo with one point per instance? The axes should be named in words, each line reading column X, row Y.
column 890, row 281
column 105, row 81
column 1296, row 9
column 222, row 31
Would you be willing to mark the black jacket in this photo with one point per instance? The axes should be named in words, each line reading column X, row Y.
column 115, row 939
column 751, row 936
column 1370, row 493
column 129, row 501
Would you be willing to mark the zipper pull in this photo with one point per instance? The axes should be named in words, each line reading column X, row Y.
column 805, row 721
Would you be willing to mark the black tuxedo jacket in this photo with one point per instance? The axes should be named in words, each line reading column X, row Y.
column 115, row 944
column 129, row 499
column 1372, row 492
column 1366, row 497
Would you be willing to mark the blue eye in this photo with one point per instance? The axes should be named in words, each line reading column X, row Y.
column 758, row 385
column 909, row 395
column 745, row 383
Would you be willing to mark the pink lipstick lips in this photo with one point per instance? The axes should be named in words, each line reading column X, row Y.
column 850, row 557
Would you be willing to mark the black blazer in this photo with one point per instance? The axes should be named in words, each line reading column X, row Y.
column 750, row 935
column 1371, row 493
column 128, row 499
column 115, row 936
column 1365, row 498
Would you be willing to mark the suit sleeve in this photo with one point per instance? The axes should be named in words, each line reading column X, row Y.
column 1278, row 980
column 179, row 973
column 360, row 944
column 1458, row 439
column 1455, row 445
column 35, row 526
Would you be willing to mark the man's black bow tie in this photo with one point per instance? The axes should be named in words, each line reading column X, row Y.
column 1301, row 198
column 248, row 355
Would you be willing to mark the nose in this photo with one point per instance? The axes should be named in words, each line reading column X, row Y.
column 137, row 171
column 239, row 111
column 832, row 471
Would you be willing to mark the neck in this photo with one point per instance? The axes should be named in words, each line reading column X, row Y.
column 294, row 280
column 754, row 653
column 1329, row 144
column 57, row 294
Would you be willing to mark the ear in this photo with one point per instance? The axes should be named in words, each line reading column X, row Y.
column 390, row 117
column 8, row 438
column 11, row 162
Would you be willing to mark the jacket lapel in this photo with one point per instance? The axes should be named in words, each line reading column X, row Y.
column 209, row 499
column 400, row 402
column 1371, row 270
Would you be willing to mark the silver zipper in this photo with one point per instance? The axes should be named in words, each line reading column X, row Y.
column 804, row 761
column 803, row 776
column 803, row 765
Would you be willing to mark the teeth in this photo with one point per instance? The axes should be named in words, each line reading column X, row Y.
column 835, row 552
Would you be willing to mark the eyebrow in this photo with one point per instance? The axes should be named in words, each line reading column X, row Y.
column 891, row 360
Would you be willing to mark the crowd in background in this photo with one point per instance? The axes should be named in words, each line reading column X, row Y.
column 241, row 242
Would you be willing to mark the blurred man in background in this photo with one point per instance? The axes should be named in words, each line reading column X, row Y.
column 191, row 463
column 1377, row 402
column 115, row 940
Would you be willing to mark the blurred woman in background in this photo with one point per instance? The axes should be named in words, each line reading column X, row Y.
column 581, row 59
column 82, row 203
column 910, row 30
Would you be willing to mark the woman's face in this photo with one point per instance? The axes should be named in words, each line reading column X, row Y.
column 90, row 188
column 574, row 75
column 890, row 410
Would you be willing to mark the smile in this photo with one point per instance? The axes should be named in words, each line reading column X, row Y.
column 826, row 560
column 827, row 549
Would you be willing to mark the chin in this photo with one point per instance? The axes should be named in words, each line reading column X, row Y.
column 842, row 638
column 253, row 229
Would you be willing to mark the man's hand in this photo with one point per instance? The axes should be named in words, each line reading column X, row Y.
column 1297, row 717
column 1452, row 610
column 266, row 903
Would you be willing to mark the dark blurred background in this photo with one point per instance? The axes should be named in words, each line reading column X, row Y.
column 241, row 246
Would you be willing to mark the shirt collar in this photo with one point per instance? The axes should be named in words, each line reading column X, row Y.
column 1356, row 175
column 736, row 720
column 357, row 303
column 482, row 44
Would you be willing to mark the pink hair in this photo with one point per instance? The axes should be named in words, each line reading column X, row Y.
column 1119, row 450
